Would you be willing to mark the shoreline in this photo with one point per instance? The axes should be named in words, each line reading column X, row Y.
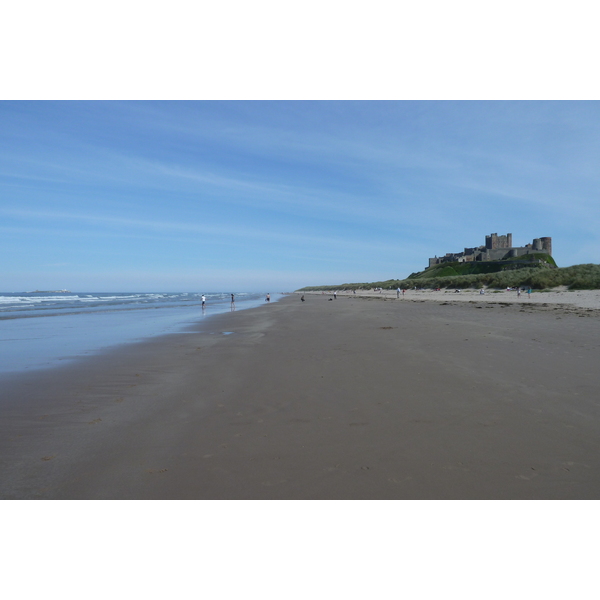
column 42, row 340
column 346, row 399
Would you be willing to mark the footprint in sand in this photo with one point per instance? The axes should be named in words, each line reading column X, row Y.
column 94, row 421
column 529, row 476
column 48, row 457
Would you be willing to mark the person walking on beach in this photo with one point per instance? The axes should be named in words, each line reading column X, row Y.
column 398, row 293
column 529, row 293
column 268, row 298
column 335, row 295
column 518, row 292
column 232, row 302
column 203, row 301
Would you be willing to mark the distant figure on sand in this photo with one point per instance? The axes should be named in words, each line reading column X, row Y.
column 302, row 298
column 481, row 292
column 398, row 293
column 232, row 302
column 268, row 298
column 335, row 295
column 529, row 293
column 203, row 301
column 518, row 292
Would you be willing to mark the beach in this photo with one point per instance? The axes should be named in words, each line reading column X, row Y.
column 432, row 396
column 572, row 299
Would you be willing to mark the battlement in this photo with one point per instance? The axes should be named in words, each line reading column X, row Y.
column 497, row 247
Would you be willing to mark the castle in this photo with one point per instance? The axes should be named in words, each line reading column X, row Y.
column 497, row 247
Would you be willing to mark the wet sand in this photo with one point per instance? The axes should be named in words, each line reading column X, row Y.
column 353, row 398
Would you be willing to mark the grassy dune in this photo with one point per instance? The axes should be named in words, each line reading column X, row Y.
column 577, row 277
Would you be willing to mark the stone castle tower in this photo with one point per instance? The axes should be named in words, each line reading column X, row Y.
column 495, row 241
column 543, row 244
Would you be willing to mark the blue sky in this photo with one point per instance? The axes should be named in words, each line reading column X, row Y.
column 275, row 195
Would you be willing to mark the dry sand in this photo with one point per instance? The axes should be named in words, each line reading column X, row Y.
column 353, row 398
column 575, row 298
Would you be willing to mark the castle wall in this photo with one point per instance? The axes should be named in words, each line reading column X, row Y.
column 497, row 247
column 496, row 254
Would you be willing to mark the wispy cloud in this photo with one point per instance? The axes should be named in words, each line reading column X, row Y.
column 209, row 232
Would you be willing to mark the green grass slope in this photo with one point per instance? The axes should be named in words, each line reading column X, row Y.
column 540, row 260
column 577, row 277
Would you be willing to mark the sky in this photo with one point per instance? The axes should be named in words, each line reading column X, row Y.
column 276, row 195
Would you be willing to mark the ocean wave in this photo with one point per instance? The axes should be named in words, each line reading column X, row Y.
column 15, row 305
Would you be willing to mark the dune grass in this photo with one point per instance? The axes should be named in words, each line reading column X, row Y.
column 576, row 277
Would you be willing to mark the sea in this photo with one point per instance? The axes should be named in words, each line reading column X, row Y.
column 45, row 329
